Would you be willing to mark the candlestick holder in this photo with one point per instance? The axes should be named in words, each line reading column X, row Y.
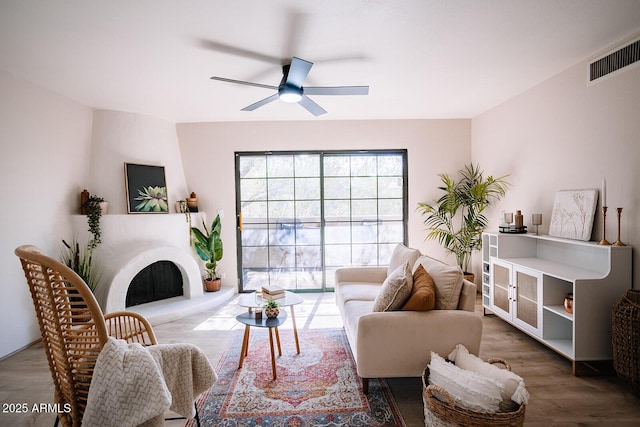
column 536, row 219
column 604, row 240
column 619, row 242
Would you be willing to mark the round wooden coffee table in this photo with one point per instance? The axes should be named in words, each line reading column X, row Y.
column 249, row 320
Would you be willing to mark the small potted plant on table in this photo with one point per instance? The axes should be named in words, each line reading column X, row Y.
column 208, row 246
column 271, row 309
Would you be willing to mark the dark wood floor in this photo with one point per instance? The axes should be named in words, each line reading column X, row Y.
column 557, row 397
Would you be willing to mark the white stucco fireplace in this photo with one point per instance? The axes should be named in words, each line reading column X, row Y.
column 134, row 241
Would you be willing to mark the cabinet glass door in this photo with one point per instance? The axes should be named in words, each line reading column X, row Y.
column 500, row 283
column 527, row 299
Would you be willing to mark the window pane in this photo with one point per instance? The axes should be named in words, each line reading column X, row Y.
column 337, row 232
column 254, row 211
column 307, row 165
column 390, row 187
column 280, row 210
column 390, row 165
column 363, row 166
column 363, row 188
column 336, row 165
column 390, row 208
column 337, row 188
column 281, row 189
column 363, row 209
column 253, row 189
column 307, row 188
column 308, row 210
column 279, row 166
column 253, row 166
column 308, row 234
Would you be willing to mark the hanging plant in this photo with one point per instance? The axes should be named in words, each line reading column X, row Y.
column 94, row 213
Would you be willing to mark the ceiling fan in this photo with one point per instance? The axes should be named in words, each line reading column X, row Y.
column 291, row 89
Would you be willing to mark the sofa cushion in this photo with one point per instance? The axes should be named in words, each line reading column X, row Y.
column 400, row 255
column 448, row 281
column 358, row 292
column 395, row 290
column 423, row 293
column 469, row 389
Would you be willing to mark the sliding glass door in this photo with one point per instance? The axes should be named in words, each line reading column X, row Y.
column 301, row 215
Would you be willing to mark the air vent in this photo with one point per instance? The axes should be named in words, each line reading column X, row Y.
column 615, row 61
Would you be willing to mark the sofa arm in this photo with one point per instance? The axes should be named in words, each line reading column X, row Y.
column 361, row 274
column 468, row 296
column 399, row 343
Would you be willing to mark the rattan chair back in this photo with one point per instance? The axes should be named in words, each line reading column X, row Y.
column 73, row 328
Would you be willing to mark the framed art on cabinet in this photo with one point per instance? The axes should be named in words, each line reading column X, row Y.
column 573, row 213
column 146, row 188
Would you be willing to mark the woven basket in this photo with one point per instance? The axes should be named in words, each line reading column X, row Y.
column 626, row 337
column 447, row 414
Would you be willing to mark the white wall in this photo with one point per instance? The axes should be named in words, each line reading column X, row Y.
column 564, row 134
column 120, row 137
column 44, row 146
column 434, row 146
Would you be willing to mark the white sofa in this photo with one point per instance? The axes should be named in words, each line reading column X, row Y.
column 391, row 344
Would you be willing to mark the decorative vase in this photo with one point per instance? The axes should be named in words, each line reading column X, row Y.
column 271, row 312
column 104, row 207
column 568, row 303
column 212, row 285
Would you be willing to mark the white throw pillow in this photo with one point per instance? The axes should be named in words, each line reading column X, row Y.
column 469, row 389
column 400, row 255
column 513, row 385
column 448, row 280
column 395, row 290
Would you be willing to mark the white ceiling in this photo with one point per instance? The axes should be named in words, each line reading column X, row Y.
column 421, row 58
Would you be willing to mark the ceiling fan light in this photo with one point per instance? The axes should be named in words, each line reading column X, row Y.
column 290, row 94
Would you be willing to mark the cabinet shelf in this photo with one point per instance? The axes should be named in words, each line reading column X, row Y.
column 559, row 310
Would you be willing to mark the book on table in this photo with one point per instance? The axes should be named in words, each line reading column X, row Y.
column 272, row 292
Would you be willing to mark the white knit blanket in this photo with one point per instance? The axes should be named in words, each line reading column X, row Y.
column 134, row 385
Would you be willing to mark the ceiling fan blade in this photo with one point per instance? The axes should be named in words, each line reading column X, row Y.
column 261, row 103
column 311, row 106
column 337, row 90
column 238, row 51
column 241, row 82
column 298, row 71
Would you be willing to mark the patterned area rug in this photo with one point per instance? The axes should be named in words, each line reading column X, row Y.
column 318, row 387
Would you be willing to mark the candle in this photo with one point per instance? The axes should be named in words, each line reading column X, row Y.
column 536, row 219
column 604, row 192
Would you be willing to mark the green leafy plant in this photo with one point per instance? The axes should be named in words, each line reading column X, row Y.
column 208, row 245
column 153, row 199
column 94, row 213
column 80, row 261
column 271, row 303
column 456, row 219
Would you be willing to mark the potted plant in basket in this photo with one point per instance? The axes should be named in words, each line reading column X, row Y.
column 456, row 220
column 271, row 309
column 208, row 246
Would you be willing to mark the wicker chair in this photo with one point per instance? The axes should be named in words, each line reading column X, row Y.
column 73, row 328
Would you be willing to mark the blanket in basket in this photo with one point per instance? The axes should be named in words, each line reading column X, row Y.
column 134, row 385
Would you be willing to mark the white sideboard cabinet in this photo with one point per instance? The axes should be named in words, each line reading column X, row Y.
column 526, row 277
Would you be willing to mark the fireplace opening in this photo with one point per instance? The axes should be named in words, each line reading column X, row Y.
column 157, row 281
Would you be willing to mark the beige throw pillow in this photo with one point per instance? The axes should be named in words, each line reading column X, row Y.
column 448, row 280
column 400, row 255
column 395, row 290
column 423, row 293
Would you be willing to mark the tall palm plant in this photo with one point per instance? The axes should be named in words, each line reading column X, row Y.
column 456, row 220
